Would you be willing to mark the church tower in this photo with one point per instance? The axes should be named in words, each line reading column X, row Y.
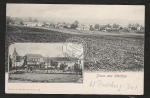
column 15, row 54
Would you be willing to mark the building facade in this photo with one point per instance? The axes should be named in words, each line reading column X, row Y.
column 17, row 60
column 39, row 61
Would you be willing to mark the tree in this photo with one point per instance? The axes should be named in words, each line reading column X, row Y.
column 63, row 66
column 75, row 25
column 115, row 25
column 125, row 29
column 97, row 26
column 108, row 25
column 51, row 62
column 133, row 28
column 9, row 20
column 63, row 23
column 77, row 68
column 129, row 26
column 35, row 20
column 136, row 25
column 54, row 63
column 91, row 27
column 10, row 63
column 120, row 28
column 30, row 19
column 21, row 22
column 44, row 24
column 103, row 27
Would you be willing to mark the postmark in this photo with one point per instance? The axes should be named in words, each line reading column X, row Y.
column 74, row 48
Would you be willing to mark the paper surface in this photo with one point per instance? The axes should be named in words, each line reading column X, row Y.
column 74, row 49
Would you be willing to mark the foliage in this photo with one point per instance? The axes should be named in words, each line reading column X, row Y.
column 74, row 25
column 10, row 63
column 35, row 20
column 129, row 26
column 63, row 66
column 136, row 25
column 77, row 68
column 133, row 28
column 105, row 46
column 108, row 25
column 9, row 20
column 91, row 28
column 21, row 23
column 115, row 25
column 125, row 29
column 54, row 63
column 97, row 26
column 103, row 27
column 120, row 28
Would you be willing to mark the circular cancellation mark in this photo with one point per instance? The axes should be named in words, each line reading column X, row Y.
column 74, row 48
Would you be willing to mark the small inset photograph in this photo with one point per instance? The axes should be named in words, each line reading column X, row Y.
column 42, row 63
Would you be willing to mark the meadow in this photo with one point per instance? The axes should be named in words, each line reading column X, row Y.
column 44, row 78
column 108, row 52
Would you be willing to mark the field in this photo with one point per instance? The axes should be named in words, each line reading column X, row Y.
column 108, row 52
column 56, row 78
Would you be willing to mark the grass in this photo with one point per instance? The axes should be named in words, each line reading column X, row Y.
column 56, row 78
column 122, row 52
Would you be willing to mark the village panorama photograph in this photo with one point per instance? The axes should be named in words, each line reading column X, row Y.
column 42, row 63
column 114, row 36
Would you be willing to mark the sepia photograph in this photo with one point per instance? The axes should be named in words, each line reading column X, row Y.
column 42, row 62
column 92, row 45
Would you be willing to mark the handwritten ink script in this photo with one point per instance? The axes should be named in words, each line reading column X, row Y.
column 100, row 82
column 111, row 84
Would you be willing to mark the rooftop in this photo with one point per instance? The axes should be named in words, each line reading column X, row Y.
column 33, row 55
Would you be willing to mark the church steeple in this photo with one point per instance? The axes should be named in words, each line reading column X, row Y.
column 14, row 49
column 15, row 52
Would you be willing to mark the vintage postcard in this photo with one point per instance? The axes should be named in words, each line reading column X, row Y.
column 74, row 49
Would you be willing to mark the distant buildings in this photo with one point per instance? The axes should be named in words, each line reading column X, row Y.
column 33, row 24
column 34, row 59
column 38, row 61
column 76, row 25
column 83, row 27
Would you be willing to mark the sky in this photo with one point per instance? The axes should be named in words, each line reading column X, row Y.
column 95, row 12
column 45, row 49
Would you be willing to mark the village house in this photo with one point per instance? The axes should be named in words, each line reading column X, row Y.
column 60, row 26
column 34, row 60
column 67, row 25
column 39, row 24
column 38, row 61
column 108, row 28
column 52, row 25
column 140, row 28
column 83, row 27
column 115, row 29
column 65, row 61
column 31, row 24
